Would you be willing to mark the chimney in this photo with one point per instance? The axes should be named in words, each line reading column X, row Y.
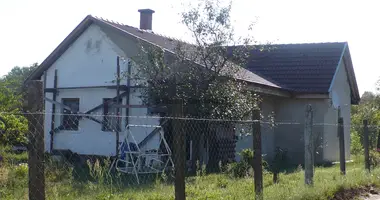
column 146, row 19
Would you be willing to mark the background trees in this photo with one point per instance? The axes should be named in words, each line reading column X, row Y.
column 13, row 125
column 369, row 108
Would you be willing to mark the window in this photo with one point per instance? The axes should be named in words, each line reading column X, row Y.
column 110, row 120
column 69, row 120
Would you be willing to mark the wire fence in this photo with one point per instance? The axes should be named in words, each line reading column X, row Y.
column 68, row 156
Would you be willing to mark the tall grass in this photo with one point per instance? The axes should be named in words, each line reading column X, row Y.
column 62, row 184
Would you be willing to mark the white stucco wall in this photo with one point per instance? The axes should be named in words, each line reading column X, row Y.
column 91, row 61
column 325, row 118
column 267, row 132
column 290, row 122
column 342, row 90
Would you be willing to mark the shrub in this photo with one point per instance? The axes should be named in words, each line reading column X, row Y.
column 356, row 145
column 238, row 169
column 21, row 170
column 244, row 166
column 374, row 157
column 247, row 156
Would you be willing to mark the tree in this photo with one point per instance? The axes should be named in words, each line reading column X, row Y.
column 207, row 74
column 15, row 78
column 13, row 124
column 369, row 108
column 367, row 97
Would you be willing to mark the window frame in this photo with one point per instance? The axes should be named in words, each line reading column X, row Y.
column 106, row 109
column 72, row 119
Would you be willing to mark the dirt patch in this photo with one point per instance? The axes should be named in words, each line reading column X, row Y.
column 364, row 191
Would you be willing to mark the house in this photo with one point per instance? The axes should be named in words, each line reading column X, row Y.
column 79, row 74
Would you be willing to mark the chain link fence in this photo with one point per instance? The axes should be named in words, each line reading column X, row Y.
column 103, row 157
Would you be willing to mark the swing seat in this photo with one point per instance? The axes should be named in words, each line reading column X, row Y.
column 134, row 160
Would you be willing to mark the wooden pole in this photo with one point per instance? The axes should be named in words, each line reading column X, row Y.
column 117, row 102
column 36, row 140
column 179, row 150
column 52, row 125
column 127, row 99
column 366, row 145
column 309, row 146
column 342, row 153
column 257, row 154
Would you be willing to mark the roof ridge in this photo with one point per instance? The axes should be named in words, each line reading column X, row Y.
column 141, row 30
column 299, row 43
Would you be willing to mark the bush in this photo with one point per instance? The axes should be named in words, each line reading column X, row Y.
column 21, row 171
column 356, row 145
column 247, row 156
column 238, row 169
column 244, row 166
column 374, row 157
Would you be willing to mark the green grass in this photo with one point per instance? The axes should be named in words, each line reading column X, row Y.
column 61, row 185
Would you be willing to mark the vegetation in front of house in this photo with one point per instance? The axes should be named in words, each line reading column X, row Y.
column 90, row 180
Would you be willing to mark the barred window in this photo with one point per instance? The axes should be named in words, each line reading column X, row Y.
column 110, row 119
column 70, row 121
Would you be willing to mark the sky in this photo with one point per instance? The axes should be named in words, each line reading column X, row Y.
column 31, row 29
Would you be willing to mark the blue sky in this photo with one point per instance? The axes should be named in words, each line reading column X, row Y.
column 31, row 29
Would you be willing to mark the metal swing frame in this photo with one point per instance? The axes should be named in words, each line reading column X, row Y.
column 135, row 159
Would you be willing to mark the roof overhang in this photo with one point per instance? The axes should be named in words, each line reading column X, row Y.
column 346, row 59
column 268, row 90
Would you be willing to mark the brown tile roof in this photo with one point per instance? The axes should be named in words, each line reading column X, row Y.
column 298, row 67
column 308, row 68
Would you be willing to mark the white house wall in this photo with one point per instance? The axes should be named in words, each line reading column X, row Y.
column 89, row 138
column 91, row 61
column 267, row 132
column 290, row 122
column 342, row 88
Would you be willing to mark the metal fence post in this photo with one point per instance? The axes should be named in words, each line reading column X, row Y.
column 257, row 154
column 179, row 150
column 36, row 140
column 366, row 145
column 309, row 146
column 342, row 153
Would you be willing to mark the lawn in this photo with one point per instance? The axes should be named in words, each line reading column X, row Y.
column 62, row 184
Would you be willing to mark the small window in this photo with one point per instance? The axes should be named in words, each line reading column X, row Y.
column 70, row 121
column 110, row 120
